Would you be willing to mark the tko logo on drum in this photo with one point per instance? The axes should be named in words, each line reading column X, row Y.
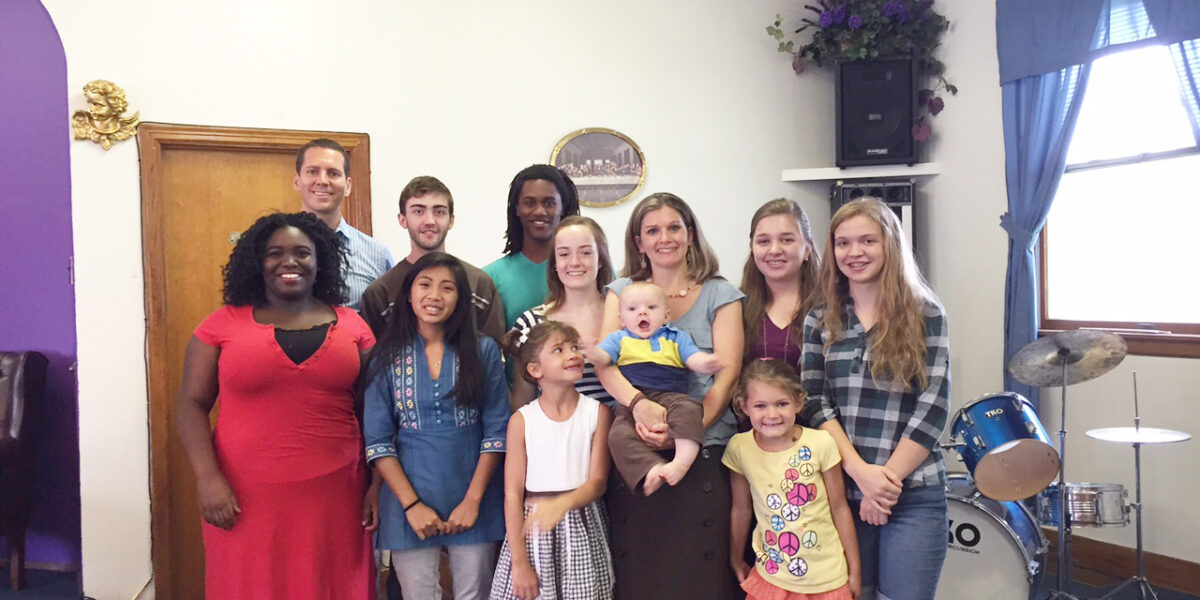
column 995, row 412
column 965, row 536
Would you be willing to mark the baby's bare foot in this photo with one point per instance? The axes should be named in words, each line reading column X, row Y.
column 673, row 472
column 654, row 479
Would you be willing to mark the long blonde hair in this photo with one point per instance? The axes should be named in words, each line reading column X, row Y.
column 754, row 285
column 701, row 260
column 898, row 339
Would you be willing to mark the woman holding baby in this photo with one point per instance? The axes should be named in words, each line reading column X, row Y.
column 677, row 538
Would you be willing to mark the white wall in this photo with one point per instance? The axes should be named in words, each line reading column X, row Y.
column 471, row 93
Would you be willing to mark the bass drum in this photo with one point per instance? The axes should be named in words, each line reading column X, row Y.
column 996, row 549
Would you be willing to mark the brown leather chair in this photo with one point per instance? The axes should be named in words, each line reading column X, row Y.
column 22, row 389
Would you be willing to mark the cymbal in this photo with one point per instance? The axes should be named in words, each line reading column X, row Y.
column 1087, row 353
column 1138, row 435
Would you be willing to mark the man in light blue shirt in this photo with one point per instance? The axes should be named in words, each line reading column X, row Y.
column 323, row 181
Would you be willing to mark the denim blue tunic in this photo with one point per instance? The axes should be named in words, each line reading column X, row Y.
column 438, row 443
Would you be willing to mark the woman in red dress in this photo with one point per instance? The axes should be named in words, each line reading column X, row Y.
column 282, row 482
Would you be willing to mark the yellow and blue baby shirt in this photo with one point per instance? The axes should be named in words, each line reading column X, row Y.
column 657, row 362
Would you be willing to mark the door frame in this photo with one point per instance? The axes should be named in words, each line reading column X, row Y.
column 153, row 140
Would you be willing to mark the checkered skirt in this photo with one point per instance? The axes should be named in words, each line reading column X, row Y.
column 572, row 560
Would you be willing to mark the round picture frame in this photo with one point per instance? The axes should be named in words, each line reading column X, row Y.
column 607, row 167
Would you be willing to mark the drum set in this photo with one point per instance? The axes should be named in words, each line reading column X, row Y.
column 996, row 548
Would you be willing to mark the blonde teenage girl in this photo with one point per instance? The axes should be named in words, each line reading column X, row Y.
column 877, row 362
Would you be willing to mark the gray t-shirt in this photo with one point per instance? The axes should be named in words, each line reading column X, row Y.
column 697, row 322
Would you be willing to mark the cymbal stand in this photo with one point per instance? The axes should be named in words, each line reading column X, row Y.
column 1064, row 520
column 1140, row 579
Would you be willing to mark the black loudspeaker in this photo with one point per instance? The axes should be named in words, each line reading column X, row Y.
column 875, row 104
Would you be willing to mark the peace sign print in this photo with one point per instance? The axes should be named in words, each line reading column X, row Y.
column 777, row 522
column 808, row 470
column 804, row 453
column 788, row 543
column 809, row 539
column 771, row 567
column 794, row 460
column 769, row 538
column 790, row 512
column 774, row 502
column 802, row 494
column 798, row 567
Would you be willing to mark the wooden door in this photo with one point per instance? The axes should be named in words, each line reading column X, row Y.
column 201, row 187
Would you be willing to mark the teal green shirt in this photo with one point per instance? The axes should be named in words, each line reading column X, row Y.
column 521, row 282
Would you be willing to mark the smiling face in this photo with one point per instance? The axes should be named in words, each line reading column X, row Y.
column 560, row 360
column 576, row 257
column 664, row 238
column 322, row 181
column 771, row 411
column 858, row 250
column 289, row 265
column 434, row 295
column 778, row 248
column 643, row 309
column 539, row 207
column 428, row 219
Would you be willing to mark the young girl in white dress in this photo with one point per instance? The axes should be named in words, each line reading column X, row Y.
column 556, row 542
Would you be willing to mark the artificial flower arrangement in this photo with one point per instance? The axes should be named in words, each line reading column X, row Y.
column 848, row 30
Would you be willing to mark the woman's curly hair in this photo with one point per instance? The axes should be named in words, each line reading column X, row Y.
column 244, row 272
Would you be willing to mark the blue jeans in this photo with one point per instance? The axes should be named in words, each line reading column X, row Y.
column 902, row 560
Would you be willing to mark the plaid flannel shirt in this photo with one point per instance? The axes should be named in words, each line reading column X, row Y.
column 876, row 415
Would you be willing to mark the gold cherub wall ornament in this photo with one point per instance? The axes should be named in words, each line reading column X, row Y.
column 103, row 122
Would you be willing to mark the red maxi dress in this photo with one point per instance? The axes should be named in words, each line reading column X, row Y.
column 288, row 442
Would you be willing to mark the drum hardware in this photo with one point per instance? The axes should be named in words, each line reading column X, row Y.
column 1062, row 359
column 1092, row 505
column 996, row 549
column 1004, row 446
column 1136, row 436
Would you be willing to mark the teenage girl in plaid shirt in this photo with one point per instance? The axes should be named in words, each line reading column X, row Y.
column 876, row 368
column 556, row 545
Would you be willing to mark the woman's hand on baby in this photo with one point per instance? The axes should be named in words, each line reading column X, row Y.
column 424, row 522
column 545, row 515
column 462, row 518
column 650, row 422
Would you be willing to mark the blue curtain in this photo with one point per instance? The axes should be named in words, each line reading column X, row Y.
column 1045, row 49
column 1039, row 112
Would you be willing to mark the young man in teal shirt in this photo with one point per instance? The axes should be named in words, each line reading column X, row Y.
column 538, row 198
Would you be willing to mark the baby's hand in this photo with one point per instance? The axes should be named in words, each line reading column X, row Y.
column 592, row 351
column 705, row 362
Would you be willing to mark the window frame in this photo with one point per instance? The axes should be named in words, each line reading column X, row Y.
column 1180, row 340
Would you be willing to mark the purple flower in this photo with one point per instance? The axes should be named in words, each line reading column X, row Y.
column 855, row 22
column 896, row 9
column 826, row 19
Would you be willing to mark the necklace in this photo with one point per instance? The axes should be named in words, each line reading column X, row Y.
column 684, row 292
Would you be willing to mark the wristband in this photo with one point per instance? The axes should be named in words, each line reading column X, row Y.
column 638, row 398
column 412, row 504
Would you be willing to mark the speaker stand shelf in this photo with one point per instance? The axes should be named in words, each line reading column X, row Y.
column 871, row 172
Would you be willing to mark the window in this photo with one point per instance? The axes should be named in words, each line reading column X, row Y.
column 1121, row 247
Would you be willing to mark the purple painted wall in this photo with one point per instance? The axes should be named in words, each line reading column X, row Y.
column 37, row 304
